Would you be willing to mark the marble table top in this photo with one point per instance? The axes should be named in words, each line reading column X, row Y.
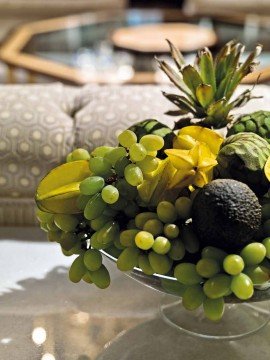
column 45, row 317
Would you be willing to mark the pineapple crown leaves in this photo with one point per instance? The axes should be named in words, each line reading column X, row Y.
column 208, row 86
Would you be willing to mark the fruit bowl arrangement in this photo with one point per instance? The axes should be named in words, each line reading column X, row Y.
column 184, row 210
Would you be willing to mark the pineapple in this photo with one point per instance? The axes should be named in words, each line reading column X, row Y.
column 207, row 87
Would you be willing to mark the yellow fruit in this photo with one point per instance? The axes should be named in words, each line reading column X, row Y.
column 58, row 190
column 267, row 169
column 202, row 135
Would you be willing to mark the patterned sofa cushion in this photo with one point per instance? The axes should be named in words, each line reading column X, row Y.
column 40, row 124
column 36, row 132
column 107, row 110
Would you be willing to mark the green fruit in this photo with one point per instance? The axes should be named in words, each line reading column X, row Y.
column 257, row 122
column 154, row 127
column 226, row 214
column 242, row 157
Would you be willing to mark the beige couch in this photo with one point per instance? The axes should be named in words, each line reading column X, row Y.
column 40, row 124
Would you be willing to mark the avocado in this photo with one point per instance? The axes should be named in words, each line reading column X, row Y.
column 226, row 213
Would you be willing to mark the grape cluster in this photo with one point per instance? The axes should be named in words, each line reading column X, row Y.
column 107, row 200
column 154, row 241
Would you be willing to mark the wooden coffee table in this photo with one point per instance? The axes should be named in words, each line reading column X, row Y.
column 79, row 49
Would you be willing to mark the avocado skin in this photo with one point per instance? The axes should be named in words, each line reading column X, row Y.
column 226, row 213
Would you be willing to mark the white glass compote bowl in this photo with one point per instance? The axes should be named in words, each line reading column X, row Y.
column 240, row 318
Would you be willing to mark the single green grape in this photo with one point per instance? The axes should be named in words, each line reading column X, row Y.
column 190, row 239
column 152, row 153
column 127, row 237
column 101, row 277
column 152, row 142
column 77, row 269
column 126, row 190
column 87, row 278
column 68, row 240
column 128, row 259
column 127, row 138
column 45, row 228
column 211, row 252
column 80, row 154
column 137, row 152
column 118, row 244
column 253, row 253
column 183, row 207
column 266, row 243
column 233, row 264
column 173, row 287
column 193, row 297
column 161, row 264
column 54, row 236
column 154, row 226
column 144, row 240
column 143, row 217
column 186, row 274
column 171, row 231
column 148, row 164
column 110, row 194
column 43, row 216
column 95, row 244
column 99, row 166
column 161, row 245
column 66, row 222
column 114, row 155
column 92, row 259
column 144, row 265
column 101, row 151
column 95, row 207
column 108, row 234
column 242, row 286
column 120, row 165
column 81, row 201
column 258, row 274
column 217, row 286
column 166, row 212
column 120, row 204
column 98, row 223
column 214, row 308
column 69, row 158
column 207, row 268
column 133, row 175
column 177, row 250
column 51, row 225
column 92, row 185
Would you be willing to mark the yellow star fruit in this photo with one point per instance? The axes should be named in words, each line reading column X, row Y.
column 189, row 135
column 194, row 166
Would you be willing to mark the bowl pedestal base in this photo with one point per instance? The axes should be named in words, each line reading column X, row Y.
column 239, row 320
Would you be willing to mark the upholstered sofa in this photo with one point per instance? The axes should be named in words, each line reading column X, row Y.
column 40, row 124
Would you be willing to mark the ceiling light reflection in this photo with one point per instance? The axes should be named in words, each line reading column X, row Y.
column 39, row 335
column 5, row 341
column 48, row 356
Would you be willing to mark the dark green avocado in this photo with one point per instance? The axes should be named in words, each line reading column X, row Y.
column 226, row 213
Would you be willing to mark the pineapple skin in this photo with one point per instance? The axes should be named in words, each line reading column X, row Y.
column 257, row 122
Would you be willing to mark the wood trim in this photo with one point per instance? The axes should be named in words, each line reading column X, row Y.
column 11, row 52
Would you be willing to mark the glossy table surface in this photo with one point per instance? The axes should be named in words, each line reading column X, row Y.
column 45, row 317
